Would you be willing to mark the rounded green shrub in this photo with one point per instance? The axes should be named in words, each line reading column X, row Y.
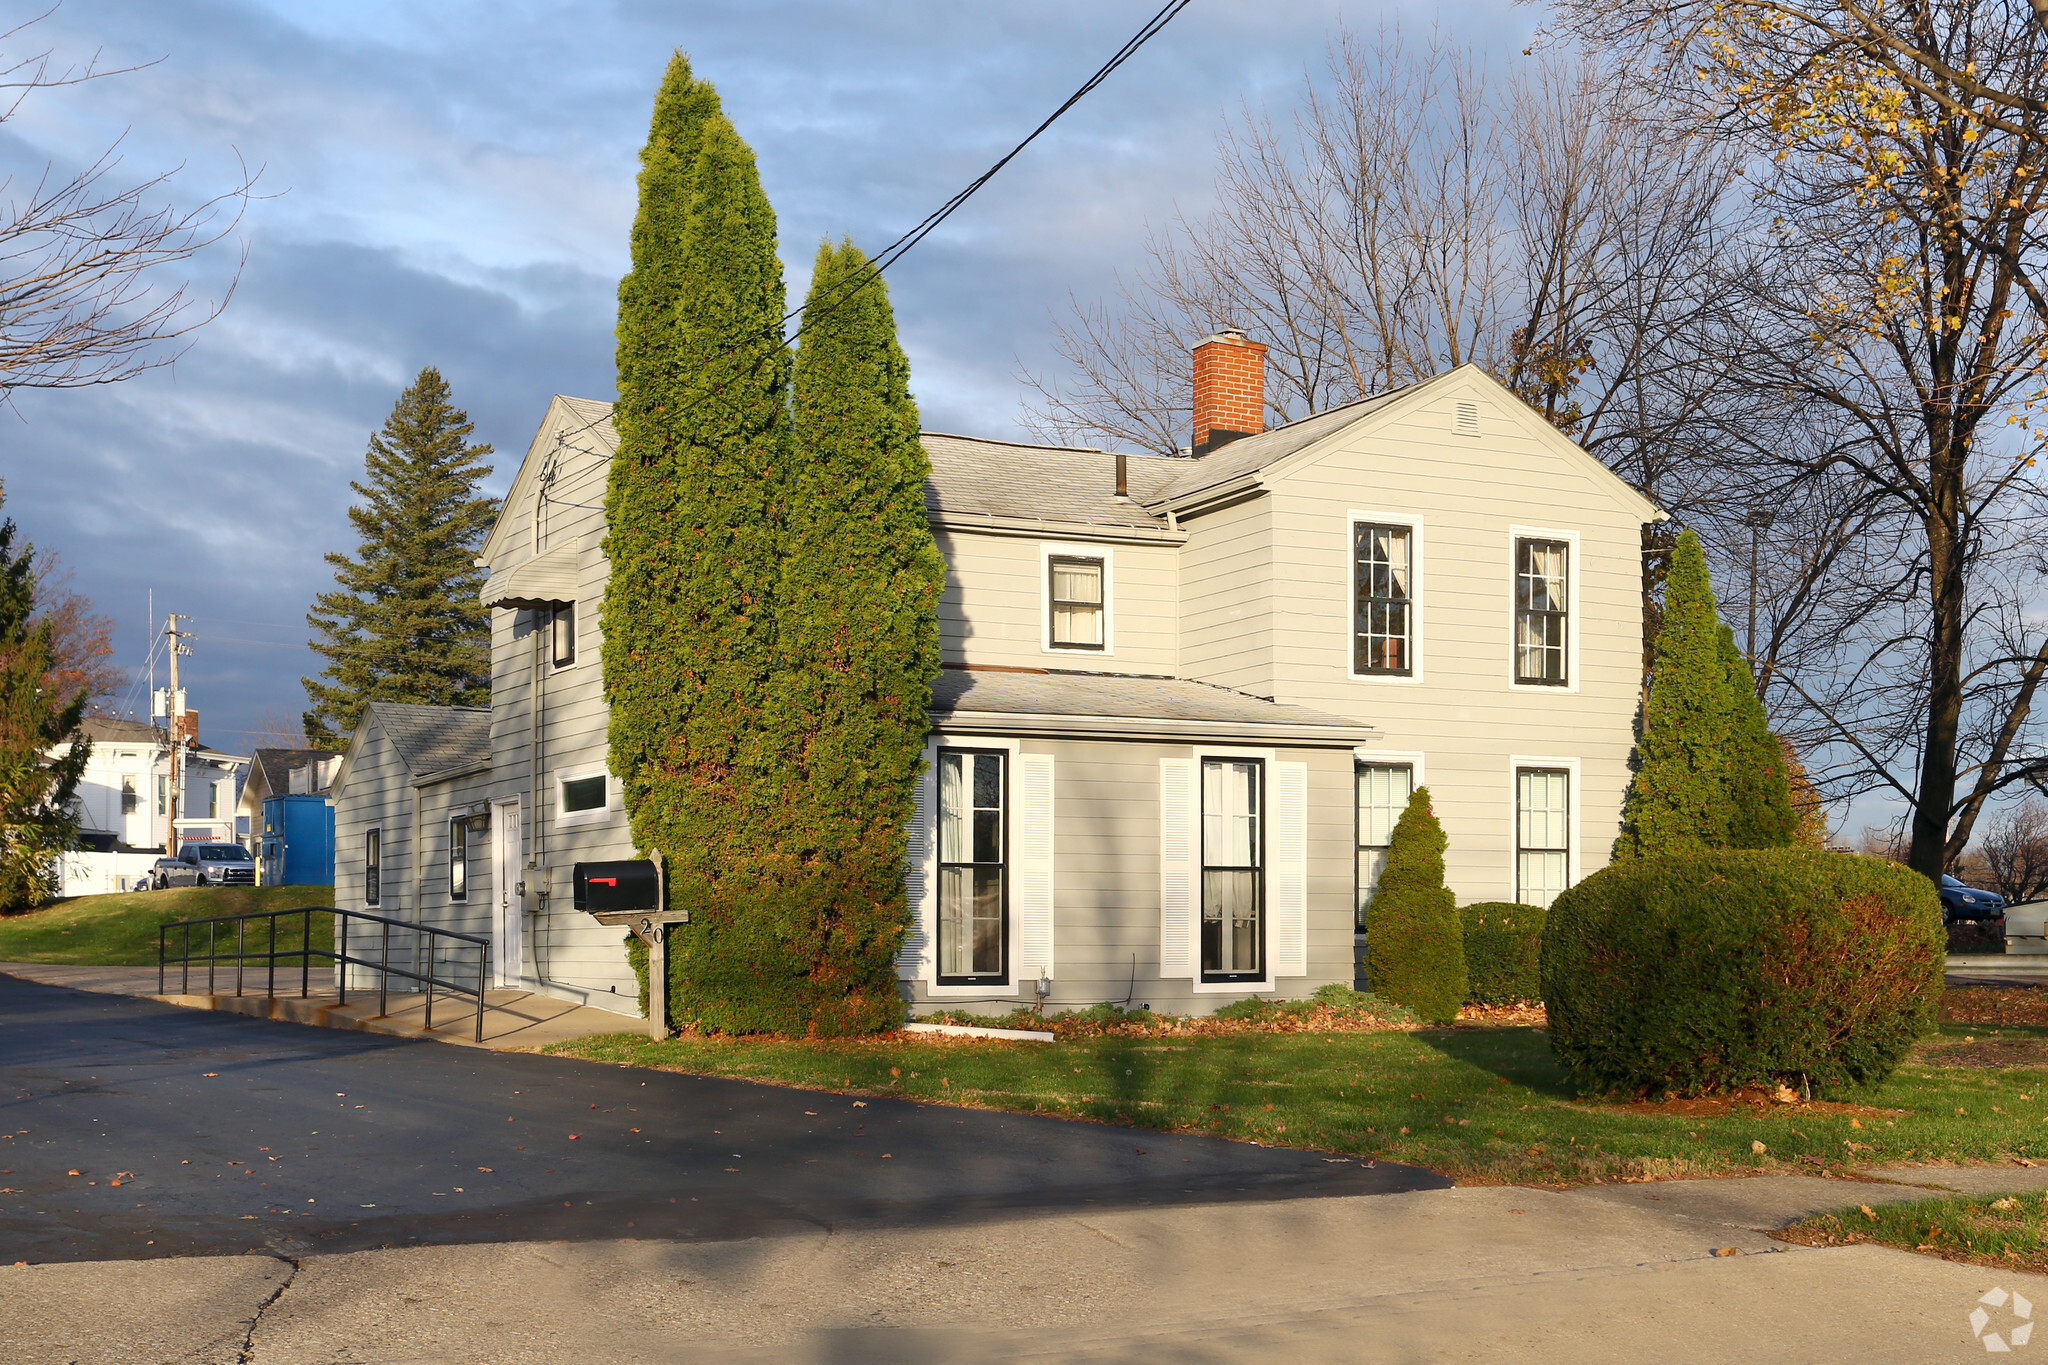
column 1702, row 971
column 1503, row 952
column 1415, row 950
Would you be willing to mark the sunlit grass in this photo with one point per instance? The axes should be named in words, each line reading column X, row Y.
column 120, row 930
column 2003, row 1230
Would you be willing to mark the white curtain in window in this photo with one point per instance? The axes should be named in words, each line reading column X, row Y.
column 1542, row 834
column 1383, row 794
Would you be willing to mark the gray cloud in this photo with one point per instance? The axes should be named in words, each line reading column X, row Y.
column 453, row 184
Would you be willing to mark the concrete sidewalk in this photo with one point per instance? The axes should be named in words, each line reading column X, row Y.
column 514, row 1021
column 1678, row 1272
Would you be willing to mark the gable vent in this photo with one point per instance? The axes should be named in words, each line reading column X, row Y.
column 1467, row 418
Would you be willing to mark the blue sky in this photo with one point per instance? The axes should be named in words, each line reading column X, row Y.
column 452, row 185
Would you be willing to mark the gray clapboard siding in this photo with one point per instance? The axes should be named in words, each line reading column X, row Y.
column 1227, row 618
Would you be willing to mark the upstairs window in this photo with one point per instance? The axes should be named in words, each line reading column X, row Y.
column 1542, row 592
column 1381, row 640
column 1077, row 602
column 562, row 634
column 973, row 839
column 163, row 793
column 131, row 800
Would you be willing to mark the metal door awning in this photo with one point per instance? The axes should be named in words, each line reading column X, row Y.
column 540, row 582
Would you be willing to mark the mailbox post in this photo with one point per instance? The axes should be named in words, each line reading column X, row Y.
column 633, row 893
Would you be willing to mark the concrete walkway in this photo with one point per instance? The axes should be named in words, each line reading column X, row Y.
column 514, row 1021
column 1675, row 1272
column 1998, row 969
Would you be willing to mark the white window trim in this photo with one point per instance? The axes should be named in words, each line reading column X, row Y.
column 1047, row 552
column 614, row 798
column 928, row 908
column 1575, row 836
column 363, row 865
column 1266, row 983
column 1575, row 569
column 1414, row 524
column 454, row 897
column 548, row 640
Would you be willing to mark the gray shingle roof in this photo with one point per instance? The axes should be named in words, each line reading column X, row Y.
column 1119, row 696
column 112, row 730
column 277, row 765
column 435, row 739
column 974, row 477
column 1249, row 453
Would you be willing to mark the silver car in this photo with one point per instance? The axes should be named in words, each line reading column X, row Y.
column 219, row 864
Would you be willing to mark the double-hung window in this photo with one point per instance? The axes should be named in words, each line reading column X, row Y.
column 163, row 794
column 1382, row 640
column 373, row 866
column 1383, row 792
column 562, row 634
column 458, row 859
column 1233, row 870
column 1076, row 599
column 1542, row 834
column 1542, row 611
column 973, row 847
column 131, row 800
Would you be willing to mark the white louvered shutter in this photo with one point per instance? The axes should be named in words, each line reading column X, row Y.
column 1177, row 868
column 1032, row 897
column 914, row 959
column 1288, row 885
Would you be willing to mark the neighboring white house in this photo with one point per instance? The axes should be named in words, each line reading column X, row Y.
column 123, row 803
column 1183, row 700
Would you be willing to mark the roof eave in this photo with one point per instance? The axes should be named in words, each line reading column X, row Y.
column 990, row 524
column 1291, row 733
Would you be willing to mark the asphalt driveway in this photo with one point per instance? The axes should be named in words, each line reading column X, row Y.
column 131, row 1129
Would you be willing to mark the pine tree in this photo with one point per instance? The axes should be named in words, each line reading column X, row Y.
column 1679, row 801
column 695, row 505
column 857, row 646
column 1760, row 813
column 405, row 623
column 1415, row 942
column 37, row 821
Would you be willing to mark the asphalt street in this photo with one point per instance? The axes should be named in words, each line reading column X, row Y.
column 131, row 1129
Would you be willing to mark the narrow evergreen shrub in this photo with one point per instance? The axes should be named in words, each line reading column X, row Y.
column 1503, row 952
column 1760, row 812
column 1698, row 972
column 1414, row 944
column 1678, row 800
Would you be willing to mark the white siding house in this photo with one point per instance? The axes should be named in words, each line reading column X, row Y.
column 1181, row 701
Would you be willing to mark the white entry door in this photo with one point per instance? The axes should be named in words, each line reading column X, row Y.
column 506, row 876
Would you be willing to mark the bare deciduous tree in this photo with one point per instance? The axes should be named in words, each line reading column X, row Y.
column 82, row 253
column 2015, row 851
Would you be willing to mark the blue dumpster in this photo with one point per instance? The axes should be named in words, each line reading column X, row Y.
column 298, row 841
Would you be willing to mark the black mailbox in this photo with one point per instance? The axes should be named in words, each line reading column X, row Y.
column 605, row 888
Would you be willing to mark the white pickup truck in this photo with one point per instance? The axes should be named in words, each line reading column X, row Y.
column 2026, row 927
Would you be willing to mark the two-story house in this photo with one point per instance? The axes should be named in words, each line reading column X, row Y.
column 123, row 803
column 1183, row 700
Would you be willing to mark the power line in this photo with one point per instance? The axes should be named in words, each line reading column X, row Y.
column 901, row 247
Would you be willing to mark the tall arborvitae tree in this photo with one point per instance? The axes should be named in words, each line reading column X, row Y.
column 1760, row 813
column 1415, row 942
column 857, row 648
column 1678, row 801
column 695, row 506
column 37, row 785
column 404, row 622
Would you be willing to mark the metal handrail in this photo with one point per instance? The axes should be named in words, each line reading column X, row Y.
column 338, row 955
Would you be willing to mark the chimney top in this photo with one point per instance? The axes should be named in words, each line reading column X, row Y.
column 1230, row 389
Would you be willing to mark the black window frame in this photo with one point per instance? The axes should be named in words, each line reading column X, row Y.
column 131, row 797
column 458, row 858
column 1362, row 599
column 1204, row 867
column 1054, row 601
column 562, row 634
column 1524, row 613
column 1002, row 864
column 604, row 788
column 373, row 865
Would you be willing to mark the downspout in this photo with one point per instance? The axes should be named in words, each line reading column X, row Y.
column 536, row 855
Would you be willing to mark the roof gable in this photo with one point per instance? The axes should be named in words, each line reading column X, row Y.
column 567, row 422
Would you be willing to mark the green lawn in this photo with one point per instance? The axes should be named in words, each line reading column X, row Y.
column 1481, row 1104
column 120, row 930
column 2002, row 1230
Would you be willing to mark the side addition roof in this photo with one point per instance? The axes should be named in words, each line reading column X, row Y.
column 435, row 739
column 976, row 479
column 1127, row 706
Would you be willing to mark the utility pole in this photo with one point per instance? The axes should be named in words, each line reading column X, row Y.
column 1758, row 520
column 175, row 711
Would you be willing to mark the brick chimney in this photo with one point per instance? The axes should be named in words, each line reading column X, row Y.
column 1230, row 389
